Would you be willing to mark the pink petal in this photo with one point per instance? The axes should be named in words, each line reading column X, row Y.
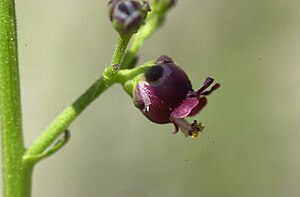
column 185, row 108
column 199, row 107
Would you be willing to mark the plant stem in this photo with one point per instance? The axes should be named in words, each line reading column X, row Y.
column 154, row 20
column 62, row 122
column 117, row 59
column 146, row 31
column 58, row 126
column 16, row 174
column 120, row 49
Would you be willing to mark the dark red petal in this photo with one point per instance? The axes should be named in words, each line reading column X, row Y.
column 199, row 107
column 208, row 92
column 208, row 81
column 202, row 91
column 185, row 108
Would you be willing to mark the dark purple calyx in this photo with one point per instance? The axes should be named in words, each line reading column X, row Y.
column 163, row 88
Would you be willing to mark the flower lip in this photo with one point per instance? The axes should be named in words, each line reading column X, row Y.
column 191, row 105
column 195, row 101
column 185, row 108
column 199, row 107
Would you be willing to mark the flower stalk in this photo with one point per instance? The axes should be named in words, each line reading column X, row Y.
column 154, row 20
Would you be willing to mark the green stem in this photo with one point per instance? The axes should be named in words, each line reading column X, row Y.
column 62, row 122
column 120, row 49
column 58, row 126
column 154, row 20
column 145, row 32
column 129, row 77
column 33, row 159
column 16, row 174
column 117, row 59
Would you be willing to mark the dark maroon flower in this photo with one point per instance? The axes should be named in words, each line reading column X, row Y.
column 127, row 15
column 164, row 94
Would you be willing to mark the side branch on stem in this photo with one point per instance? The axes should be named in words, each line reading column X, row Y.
column 62, row 122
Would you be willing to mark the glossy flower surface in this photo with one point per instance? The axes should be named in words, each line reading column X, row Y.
column 164, row 94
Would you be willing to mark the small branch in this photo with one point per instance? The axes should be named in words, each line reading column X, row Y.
column 120, row 49
column 146, row 31
column 117, row 59
column 32, row 159
column 152, row 23
column 59, row 125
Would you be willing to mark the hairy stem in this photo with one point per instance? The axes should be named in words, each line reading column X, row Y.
column 58, row 126
column 154, row 20
column 117, row 59
column 62, row 122
column 16, row 174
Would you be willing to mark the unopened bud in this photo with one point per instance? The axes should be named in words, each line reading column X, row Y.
column 127, row 15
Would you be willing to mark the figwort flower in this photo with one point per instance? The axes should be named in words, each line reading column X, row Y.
column 127, row 15
column 164, row 94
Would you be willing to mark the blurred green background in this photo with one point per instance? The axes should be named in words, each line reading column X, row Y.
column 250, row 146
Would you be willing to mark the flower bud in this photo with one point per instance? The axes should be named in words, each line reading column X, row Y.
column 127, row 15
column 164, row 94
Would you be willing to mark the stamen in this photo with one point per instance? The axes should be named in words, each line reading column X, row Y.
column 196, row 128
column 186, row 128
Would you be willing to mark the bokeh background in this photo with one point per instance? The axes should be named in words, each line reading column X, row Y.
column 250, row 146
